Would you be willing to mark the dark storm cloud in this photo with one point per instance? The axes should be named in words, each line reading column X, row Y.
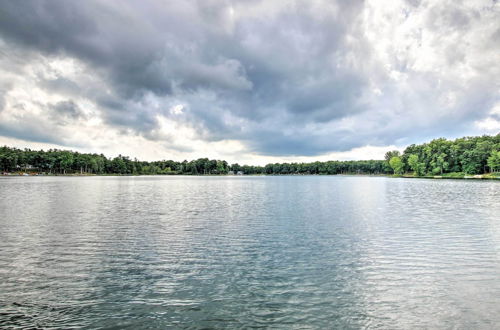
column 267, row 79
column 125, row 114
column 270, row 143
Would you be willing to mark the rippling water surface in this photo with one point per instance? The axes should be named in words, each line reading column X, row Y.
column 243, row 252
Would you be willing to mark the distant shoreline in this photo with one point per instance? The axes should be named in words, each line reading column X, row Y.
column 488, row 176
column 463, row 158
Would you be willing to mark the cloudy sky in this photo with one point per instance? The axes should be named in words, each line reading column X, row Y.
column 247, row 81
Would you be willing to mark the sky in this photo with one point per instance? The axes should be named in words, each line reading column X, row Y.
column 247, row 81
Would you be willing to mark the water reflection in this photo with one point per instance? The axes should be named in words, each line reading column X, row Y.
column 280, row 252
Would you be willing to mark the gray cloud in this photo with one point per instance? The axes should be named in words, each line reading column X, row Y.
column 60, row 85
column 38, row 132
column 68, row 109
column 300, row 79
column 2, row 99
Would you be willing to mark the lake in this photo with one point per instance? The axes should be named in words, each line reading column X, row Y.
column 249, row 252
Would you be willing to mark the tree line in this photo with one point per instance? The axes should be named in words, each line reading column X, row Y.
column 470, row 155
column 467, row 155
column 70, row 162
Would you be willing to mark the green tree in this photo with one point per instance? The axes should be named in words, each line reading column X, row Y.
column 494, row 161
column 118, row 165
column 390, row 154
column 415, row 165
column 65, row 160
column 440, row 164
column 396, row 165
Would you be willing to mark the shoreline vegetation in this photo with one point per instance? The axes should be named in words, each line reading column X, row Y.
column 449, row 176
column 463, row 158
column 453, row 176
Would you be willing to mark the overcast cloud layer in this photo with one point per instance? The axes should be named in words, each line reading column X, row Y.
column 247, row 80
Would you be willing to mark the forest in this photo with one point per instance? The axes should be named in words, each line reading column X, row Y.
column 467, row 155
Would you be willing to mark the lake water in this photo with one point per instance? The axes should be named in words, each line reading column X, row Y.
column 243, row 252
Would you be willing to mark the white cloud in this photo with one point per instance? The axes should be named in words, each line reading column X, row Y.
column 490, row 124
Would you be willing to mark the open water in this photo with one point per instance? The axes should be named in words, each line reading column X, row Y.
column 304, row 252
